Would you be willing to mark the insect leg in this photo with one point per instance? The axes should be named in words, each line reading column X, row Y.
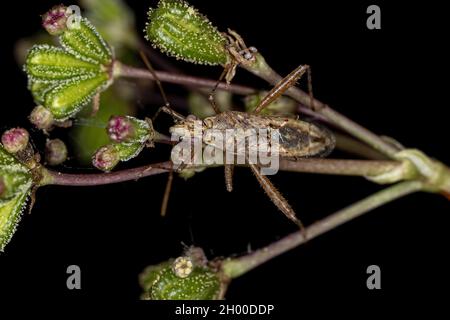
column 276, row 197
column 283, row 86
column 229, row 169
column 213, row 91
column 166, row 196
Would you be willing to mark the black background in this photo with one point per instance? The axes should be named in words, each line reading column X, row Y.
column 388, row 80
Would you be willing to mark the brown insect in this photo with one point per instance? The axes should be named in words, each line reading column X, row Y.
column 297, row 138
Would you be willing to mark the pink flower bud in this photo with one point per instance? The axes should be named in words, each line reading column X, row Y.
column 55, row 152
column 15, row 140
column 55, row 20
column 41, row 117
column 106, row 158
column 120, row 128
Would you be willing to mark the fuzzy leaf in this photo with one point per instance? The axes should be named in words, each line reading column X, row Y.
column 17, row 181
column 86, row 43
column 49, row 64
column 181, row 31
column 67, row 98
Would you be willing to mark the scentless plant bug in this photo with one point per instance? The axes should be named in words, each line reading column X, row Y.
column 297, row 138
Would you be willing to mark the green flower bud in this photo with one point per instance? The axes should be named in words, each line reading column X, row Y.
column 186, row 278
column 181, row 31
column 55, row 152
column 63, row 80
column 107, row 157
column 15, row 186
column 181, row 279
column 130, row 135
column 129, row 129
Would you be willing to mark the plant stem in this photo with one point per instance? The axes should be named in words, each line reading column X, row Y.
column 365, row 168
column 123, row 70
column 350, row 145
column 341, row 167
column 261, row 69
column 95, row 179
column 235, row 267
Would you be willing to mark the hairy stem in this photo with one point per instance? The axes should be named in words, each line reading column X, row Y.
column 235, row 267
column 261, row 69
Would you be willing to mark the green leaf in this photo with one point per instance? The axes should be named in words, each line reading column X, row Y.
column 85, row 42
column 49, row 64
column 181, row 31
column 67, row 98
column 17, row 182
